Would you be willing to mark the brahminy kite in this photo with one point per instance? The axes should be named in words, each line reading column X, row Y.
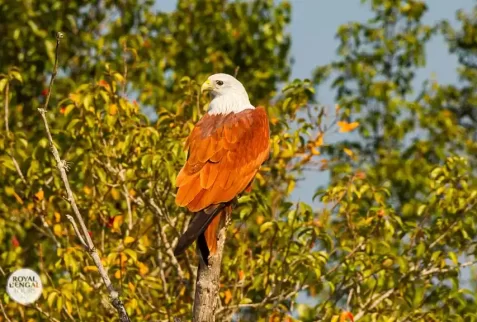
column 226, row 149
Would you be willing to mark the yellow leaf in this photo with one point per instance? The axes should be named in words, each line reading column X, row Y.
column 117, row 222
column 17, row 197
column 315, row 151
column 291, row 186
column 69, row 307
column 57, row 216
column 128, row 240
column 39, row 195
column 115, row 194
column 319, row 140
column 228, row 296
column 348, row 152
column 90, row 268
column 260, row 220
column 75, row 98
column 347, row 127
column 260, row 179
column 58, row 230
column 143, row 269
column 145, row 241
column 182, row 291
column 119, row 77
column 132, row 287
column 117, row 275
column 87, row 190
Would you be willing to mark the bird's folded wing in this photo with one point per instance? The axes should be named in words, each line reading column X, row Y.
column 225, row 153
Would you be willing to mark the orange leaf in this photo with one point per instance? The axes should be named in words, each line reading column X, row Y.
column 143, row 269
column 260, row 220
column 132, row 287
column 117, row 222
column 113, row 109
column 347, row 127
column 39, row 195
column 360, row 175
column 228, row 296
column 345, row 316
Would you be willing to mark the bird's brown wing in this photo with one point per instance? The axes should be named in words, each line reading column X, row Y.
column 225, row 153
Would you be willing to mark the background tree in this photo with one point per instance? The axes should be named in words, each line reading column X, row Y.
column 399, row 218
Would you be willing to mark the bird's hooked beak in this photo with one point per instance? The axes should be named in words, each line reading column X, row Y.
column 207, row 87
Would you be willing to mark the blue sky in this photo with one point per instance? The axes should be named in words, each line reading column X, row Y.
column 313, row 27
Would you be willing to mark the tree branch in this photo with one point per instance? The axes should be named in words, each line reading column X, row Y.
column 207, row 284
column 376, row 302
column 4, row 313
column 7, row 130
column 83, row 230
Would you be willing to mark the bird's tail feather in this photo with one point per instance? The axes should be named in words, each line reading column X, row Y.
column 198, row 230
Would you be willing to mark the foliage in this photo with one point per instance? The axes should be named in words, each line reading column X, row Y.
column 398, row 218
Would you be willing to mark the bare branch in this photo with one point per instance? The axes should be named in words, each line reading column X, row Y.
column 128, row 202
column 77, row 232
column 82, row 231
column 4, row 313
column 39, row 309
column 165, row 241
column 7, row 129
column 376, row 302
column 433, row 270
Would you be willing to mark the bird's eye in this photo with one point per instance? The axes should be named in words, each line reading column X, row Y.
column 219, row 82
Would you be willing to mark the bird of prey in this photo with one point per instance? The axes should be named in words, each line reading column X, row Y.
column 226, row 149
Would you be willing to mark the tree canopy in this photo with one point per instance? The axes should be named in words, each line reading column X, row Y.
column 392, row 240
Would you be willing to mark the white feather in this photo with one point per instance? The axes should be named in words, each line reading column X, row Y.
column 228, row 98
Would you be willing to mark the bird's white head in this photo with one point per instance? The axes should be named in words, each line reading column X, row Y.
column 228, row 94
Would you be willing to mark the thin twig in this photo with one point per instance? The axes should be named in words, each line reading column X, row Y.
column 7, row 129
column 83, row 231
column 4, row 313
column 374, row 304
column 39, row 309
column 236, row 71
column 45, row 224
column 445, row 270
column 447, row 231
column 165, row 241
column 77, row 232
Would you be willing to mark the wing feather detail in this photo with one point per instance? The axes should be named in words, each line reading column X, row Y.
column 225, row 153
